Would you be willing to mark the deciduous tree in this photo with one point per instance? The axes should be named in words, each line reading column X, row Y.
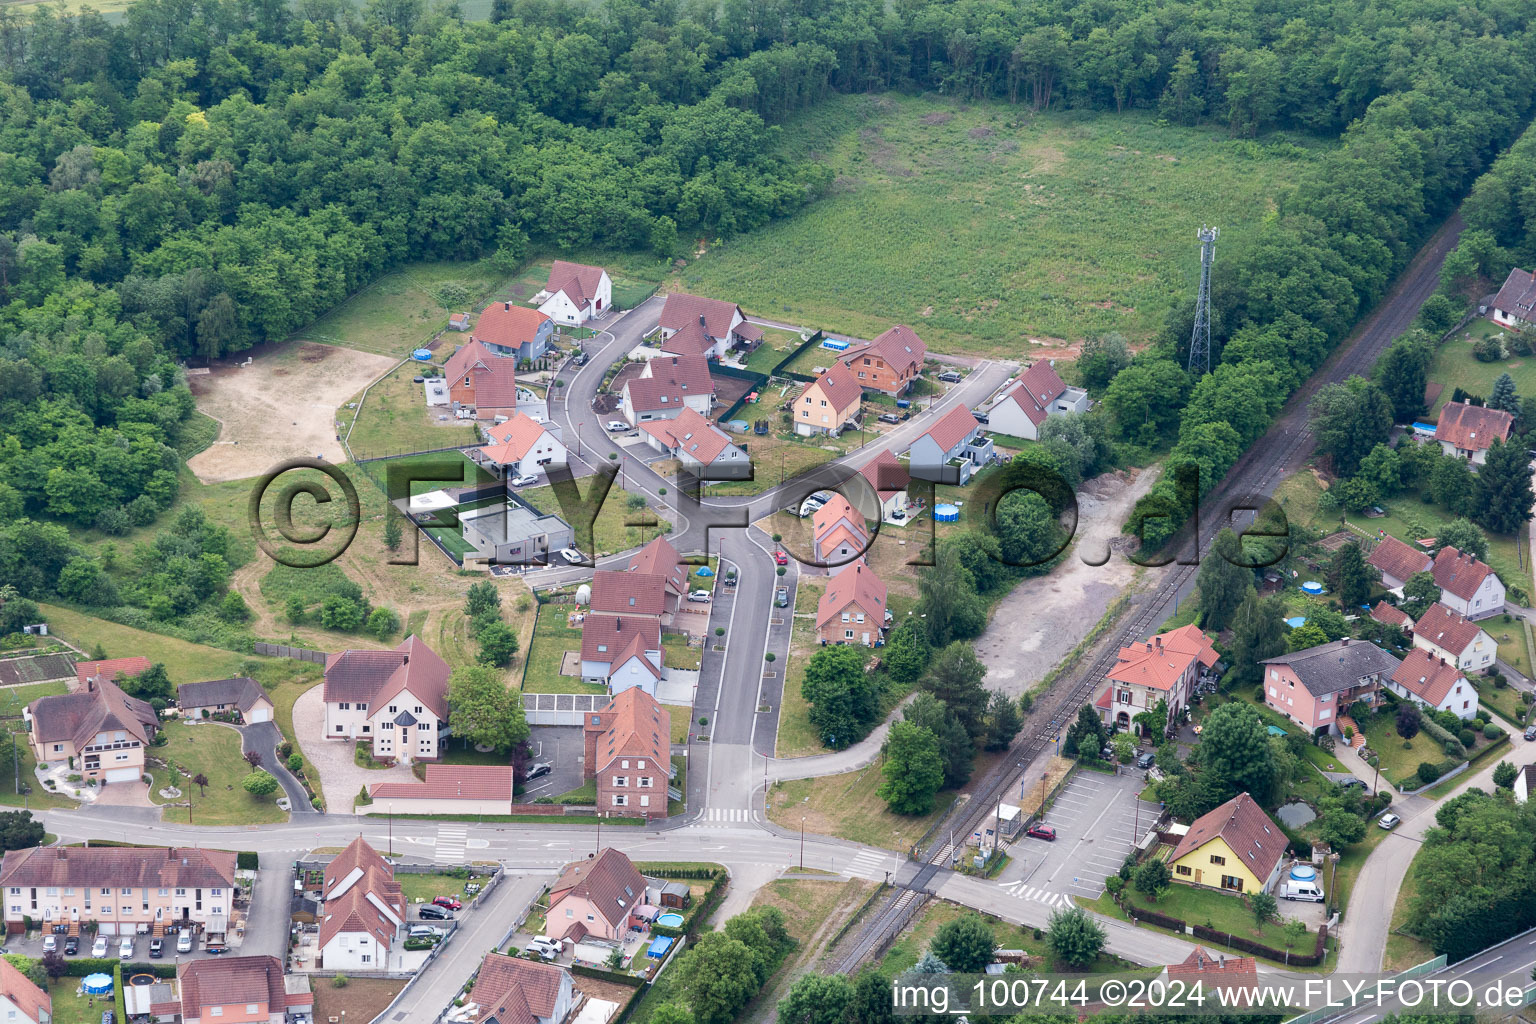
column 913, row 769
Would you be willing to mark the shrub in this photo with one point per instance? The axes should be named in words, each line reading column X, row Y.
column 247, row 860
column 340, row 981
column 1492, row 732
column 1467, row 737
column 1428, row 772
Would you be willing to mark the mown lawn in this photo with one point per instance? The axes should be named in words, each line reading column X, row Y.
column 214, row 751
column 775, row 460
column 395, row 417
column 1456, row 367
column 552, row 637
column 1400, row 762
column 797, row 737
column 1506, row 700
column 425, row 888
column 1223, row 911
column 611, row 530
column 398, row 311
column 675, row 652
column 1051, row 225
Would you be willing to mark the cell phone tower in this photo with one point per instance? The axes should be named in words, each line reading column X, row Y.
column 1200, row 340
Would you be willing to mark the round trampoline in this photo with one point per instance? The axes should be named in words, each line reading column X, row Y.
column 946, row 513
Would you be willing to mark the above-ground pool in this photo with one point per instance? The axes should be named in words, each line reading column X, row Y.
column 1312, row 587
column 670, row 920
column 422, row 355
column 1296, row 621
column 946, row 513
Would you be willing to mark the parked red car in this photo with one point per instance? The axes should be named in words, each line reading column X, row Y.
column 780, row 558
column 1045, row 832
column 449, row 902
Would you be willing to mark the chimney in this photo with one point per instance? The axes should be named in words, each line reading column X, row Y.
column 507, row 306
column 1159, row 641
column 1345, row 642
column 701, row 319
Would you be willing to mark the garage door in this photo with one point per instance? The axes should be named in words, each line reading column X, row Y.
column 122, row 774
column 261, row 714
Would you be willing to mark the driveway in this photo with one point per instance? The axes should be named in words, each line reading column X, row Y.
column 263, row 737
column 562, row 746
column 340, row 777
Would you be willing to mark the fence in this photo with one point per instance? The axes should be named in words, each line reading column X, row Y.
column 1334, row 1009
column 295, row 653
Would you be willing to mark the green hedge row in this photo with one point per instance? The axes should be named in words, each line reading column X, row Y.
column 247, row 860
column 617, row 978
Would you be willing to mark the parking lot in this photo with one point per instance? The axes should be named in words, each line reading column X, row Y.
column 561, row 747
column 1096, row 818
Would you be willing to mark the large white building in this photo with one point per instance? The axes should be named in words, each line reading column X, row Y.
column 363, row 910
column 576, row 293
column 397, row 700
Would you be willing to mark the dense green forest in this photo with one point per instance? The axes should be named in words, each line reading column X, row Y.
column 204, row 176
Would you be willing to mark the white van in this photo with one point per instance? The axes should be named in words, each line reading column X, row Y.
column 1307, row 892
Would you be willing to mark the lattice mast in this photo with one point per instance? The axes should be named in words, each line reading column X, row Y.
column 1200, row 340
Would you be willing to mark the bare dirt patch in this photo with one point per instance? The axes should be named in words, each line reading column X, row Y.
column 1044, row 618
column 938, row 117
column 280, row 407
column 362, row 999
column 980, row 132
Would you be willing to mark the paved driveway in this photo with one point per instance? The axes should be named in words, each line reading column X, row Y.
column 562, row 746
column 340, row 777
column 264, row 737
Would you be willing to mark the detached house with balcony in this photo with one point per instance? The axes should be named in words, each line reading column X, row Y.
column 1434, row 683
column 829, row 404
column 1039, row 393
column 595, row 898
column 1468, row 431
column 621, row 652
column 1515, row 305
column 852, row 609
column 1467, row 586
column 1315, row 686
column 889, row 364
column 127, row 890
column 575, row 293
column 950, row 450
column 1451, row 636
column 99, row 728
column 629, row 753
column 667, row 386
column 702, row 448
column 522, row 446
column 398, row 700
column 511, row 330
column 363, row 911
column 838, row 534
column 1163, row 668
column 692, row 325
column 482, row 380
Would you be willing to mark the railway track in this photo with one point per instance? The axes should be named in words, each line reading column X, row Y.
column 1281, row 450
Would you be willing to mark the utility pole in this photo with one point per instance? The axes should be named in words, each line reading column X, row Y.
column 802, row 842
column 1200, row 339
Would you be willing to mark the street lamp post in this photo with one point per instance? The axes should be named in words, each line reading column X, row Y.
column 802, row 842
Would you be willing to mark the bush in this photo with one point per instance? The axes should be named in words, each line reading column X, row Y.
column 1467, row 737
column 247, row 860
column 1492, row 732
column 1428, row 772
column 340, row 981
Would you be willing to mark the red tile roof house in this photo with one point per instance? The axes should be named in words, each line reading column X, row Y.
column 482, row 380
column 1398, row 561
column 830, row 403
column 1315, row 686
column 1164, row 668
column 667, row 386
column 1392, row 615
column 1435, row 684
column 1467, row 585
column 1468, row 431
column 1451, row 636
column 695, row 326
column 621, row 651
column 839, row 534
column 1516, row 301
column 397, row 699
column 630, row 592
column 511, row 330
column 890, row 363
column 629, row 753
column 20, row 1000
column 852, row 610
column 703, row 448
column 363, row 913
column 889, row 479
column 576, row 293
column 520, row 447
column 241, row 990
column 109, row 669
column 943, row 452
column 1237, row 976
column 100, row 728
column 1238, row 829
column 1039, row 393
column 595, row 897
column 660, row 558
column 464, row 788
column 511, row 990
column 165, row 886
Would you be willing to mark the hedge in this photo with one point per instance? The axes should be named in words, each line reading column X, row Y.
column 601, row 975
column 1440, row 732
column 668, row 870
column 1495, row 711
column 79, row 968
column 1241, row 944
column 247, row 860
column 1161, row 920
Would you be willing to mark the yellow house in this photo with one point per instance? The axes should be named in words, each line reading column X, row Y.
column 1234, row 847
column 828, row 403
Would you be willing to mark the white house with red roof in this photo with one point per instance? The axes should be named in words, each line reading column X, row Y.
column 1467, row 585
column 396, row 699
column 830, row 403
column 576, row 293
column 109, row 669
column 1039, row 393
column 1162, row 668
column 463, row 788
column 1515, row 305
column 660, row 558
column 1236, row 977
column 889, row 478
column 621, row 651
column 1451, row 636
column 839, row 534
column 22, row 1002
column 667, row 386
column 1468, row 431
column 508, row 329
column 512, row 990
column 1391, row 615
column 890, row 363
column 629, row 753
column 1434, row 683
column 482, row 380
column 950, row 450
column 362, row 912
column 522, row 446
column 692, row 325
column 702, row 448
column 852, row 609
column 1397, row 561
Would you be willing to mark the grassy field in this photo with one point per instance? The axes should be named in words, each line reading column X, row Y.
column 424, row 888
column 213, row 750
column 612, row 530
column 775, row 459
column 675, row 652
column 1506, row 700
column 1455, row 366
column 1070, row 223
column 394, row 417
column 1403, row 949
column 184, row 662
column 399, row 311
column 22, row 773
column 552, row 637
column 797, row 737
column 1224, row 911
column 1397, row 762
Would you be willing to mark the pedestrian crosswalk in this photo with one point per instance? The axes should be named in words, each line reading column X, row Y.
column 723, row 817
column 869, row 864
column 452, row 840
column 1029, row 892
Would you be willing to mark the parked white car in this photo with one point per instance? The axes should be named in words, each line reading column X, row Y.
column 1389, row 821
column 125, row 948
column 698, row 595
column 99, row 947
column 524, row 481
column 572, row 556
column 617, row 426
column 184, row 942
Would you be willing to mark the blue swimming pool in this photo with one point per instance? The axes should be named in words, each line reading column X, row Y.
column 670, row 920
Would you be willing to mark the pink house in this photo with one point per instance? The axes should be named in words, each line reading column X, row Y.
column 1313, row 687
column 595, row 897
